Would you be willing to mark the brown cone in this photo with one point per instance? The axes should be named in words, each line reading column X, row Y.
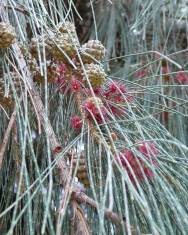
column 7, row 35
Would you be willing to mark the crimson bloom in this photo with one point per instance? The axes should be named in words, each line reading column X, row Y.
column 182, row 78
column 62, row 69
column 140, row 74
column 94, row 107
column 75, row 85
column 61, row 84
column 135, row 166
column 116, row 95
column 97, row 90
column 115, row 88
column 148, row 149
column 76, row 122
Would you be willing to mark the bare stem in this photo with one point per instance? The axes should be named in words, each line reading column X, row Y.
column 20, row 9
column 6, row 137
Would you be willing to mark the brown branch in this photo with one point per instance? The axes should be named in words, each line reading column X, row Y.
column 64, row 202
column 114, row 217
column 20, row 9
column 40, row 112
column 6, row 137
column 79, row 221
column 83, row 198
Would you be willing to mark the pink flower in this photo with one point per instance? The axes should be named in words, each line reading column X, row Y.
column 94, row 110
column 75, row 85
column 119, row 99
column 148, row 173
column 131, row 164
column 112, row 87
column 62, row 69
column 89, row 106
column 57, row 149
column 113, row 94
column 134, row 165
column 148, row 149
column 97, row 91
column 140, row 74
column 98, row 115
column 76, row 122
column 117, row 111
column 61, row 83
column 116, row 87
column 182, row 77
column 114, row 91
column 122, row 88
column 129, row 98
column 107, row 94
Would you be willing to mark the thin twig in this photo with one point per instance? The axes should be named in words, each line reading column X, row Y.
column 114, row 217
column 20, row 9
column 64, row 202
column 79, row 221
column 6, row 136
column 83, row 198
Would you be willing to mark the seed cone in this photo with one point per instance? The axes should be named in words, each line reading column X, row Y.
column 92, row 50
column 6, row 102
column 37, row 47
column 7, row 35
column 95, row 100
column 83, row 176
column 35, row 70
column 6, row 91
column 81, row 170
column 68, row 28
column 52, row 74
column 60, row 46
column 95, row 74
column 16, row 80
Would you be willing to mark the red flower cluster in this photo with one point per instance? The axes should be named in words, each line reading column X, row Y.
column 76, row 122
column 182, row 78
column 148, row 149
column 61, row 84
column 114, row 98
column 108, row 100
column 134, row 165
column 70, row 84
column 75, row 85
column 115, row 88
column 116, row 95
column 62, row 70
column 94, row 107
column 140, row 73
